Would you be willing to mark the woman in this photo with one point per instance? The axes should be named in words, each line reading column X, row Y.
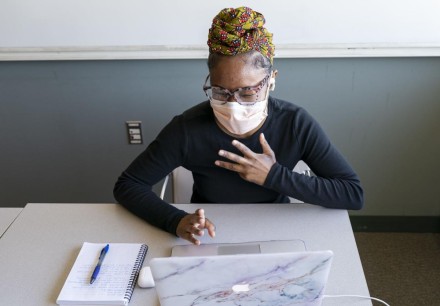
column 242, row 144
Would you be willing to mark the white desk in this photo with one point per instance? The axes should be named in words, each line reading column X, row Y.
column 7, row 216
column 38, row 250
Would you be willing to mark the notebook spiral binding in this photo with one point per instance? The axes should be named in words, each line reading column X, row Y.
column 135, row 272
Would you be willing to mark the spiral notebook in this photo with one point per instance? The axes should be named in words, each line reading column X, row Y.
column 116, row 280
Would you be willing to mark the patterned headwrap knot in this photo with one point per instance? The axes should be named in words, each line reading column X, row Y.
column 240, row 30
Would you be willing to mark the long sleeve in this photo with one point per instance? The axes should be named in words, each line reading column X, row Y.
column 133, row 188
column 335, row 185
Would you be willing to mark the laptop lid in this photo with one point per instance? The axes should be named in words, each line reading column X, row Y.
column 280, row 279
column 254, row 247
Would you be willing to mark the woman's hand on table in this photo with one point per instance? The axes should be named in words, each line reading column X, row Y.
column 193, row 225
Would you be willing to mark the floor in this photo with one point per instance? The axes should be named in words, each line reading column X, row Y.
column 403, row 269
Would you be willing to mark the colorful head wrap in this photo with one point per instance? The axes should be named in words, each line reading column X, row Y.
column 240, row 30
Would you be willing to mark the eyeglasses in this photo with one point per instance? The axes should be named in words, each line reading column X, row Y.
column 244, row 95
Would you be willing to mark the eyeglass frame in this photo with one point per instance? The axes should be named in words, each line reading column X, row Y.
column 230, row 94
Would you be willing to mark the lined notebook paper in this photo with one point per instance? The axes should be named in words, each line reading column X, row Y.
column 116, row 280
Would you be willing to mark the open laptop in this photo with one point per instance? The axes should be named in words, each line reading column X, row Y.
column 254, row 247
column 280, row 279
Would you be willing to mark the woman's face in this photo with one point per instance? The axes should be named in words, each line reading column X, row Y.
column 232, row 72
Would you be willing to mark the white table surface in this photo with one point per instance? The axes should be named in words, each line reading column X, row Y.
column 7, row 216
column 38, row 250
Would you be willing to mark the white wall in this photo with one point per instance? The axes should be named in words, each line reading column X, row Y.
column 93, row 26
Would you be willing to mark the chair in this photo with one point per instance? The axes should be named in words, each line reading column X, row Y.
column 183, row 183
column 302, row 168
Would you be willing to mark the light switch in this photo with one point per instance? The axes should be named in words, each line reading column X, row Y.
column 134, row 131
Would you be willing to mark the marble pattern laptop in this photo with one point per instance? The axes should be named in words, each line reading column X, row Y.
column 279, row 279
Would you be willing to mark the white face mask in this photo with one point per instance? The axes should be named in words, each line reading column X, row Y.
column 240, row 119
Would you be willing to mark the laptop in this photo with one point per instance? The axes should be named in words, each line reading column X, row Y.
column 281, row 279
column 254, row 247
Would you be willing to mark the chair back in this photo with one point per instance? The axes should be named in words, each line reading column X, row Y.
column 183, row 183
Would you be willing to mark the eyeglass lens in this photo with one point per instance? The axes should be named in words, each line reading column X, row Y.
column 246, row 95
column 242, row 95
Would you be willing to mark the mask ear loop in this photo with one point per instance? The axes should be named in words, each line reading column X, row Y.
column 272, row 84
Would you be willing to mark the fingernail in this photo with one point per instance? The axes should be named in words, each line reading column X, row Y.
column 221, row 152
column 234, row 142
column 217, row 163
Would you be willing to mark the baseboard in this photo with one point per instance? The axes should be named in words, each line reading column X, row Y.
column 419, row 224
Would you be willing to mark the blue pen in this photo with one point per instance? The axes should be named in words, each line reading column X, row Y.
column 98, row 266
